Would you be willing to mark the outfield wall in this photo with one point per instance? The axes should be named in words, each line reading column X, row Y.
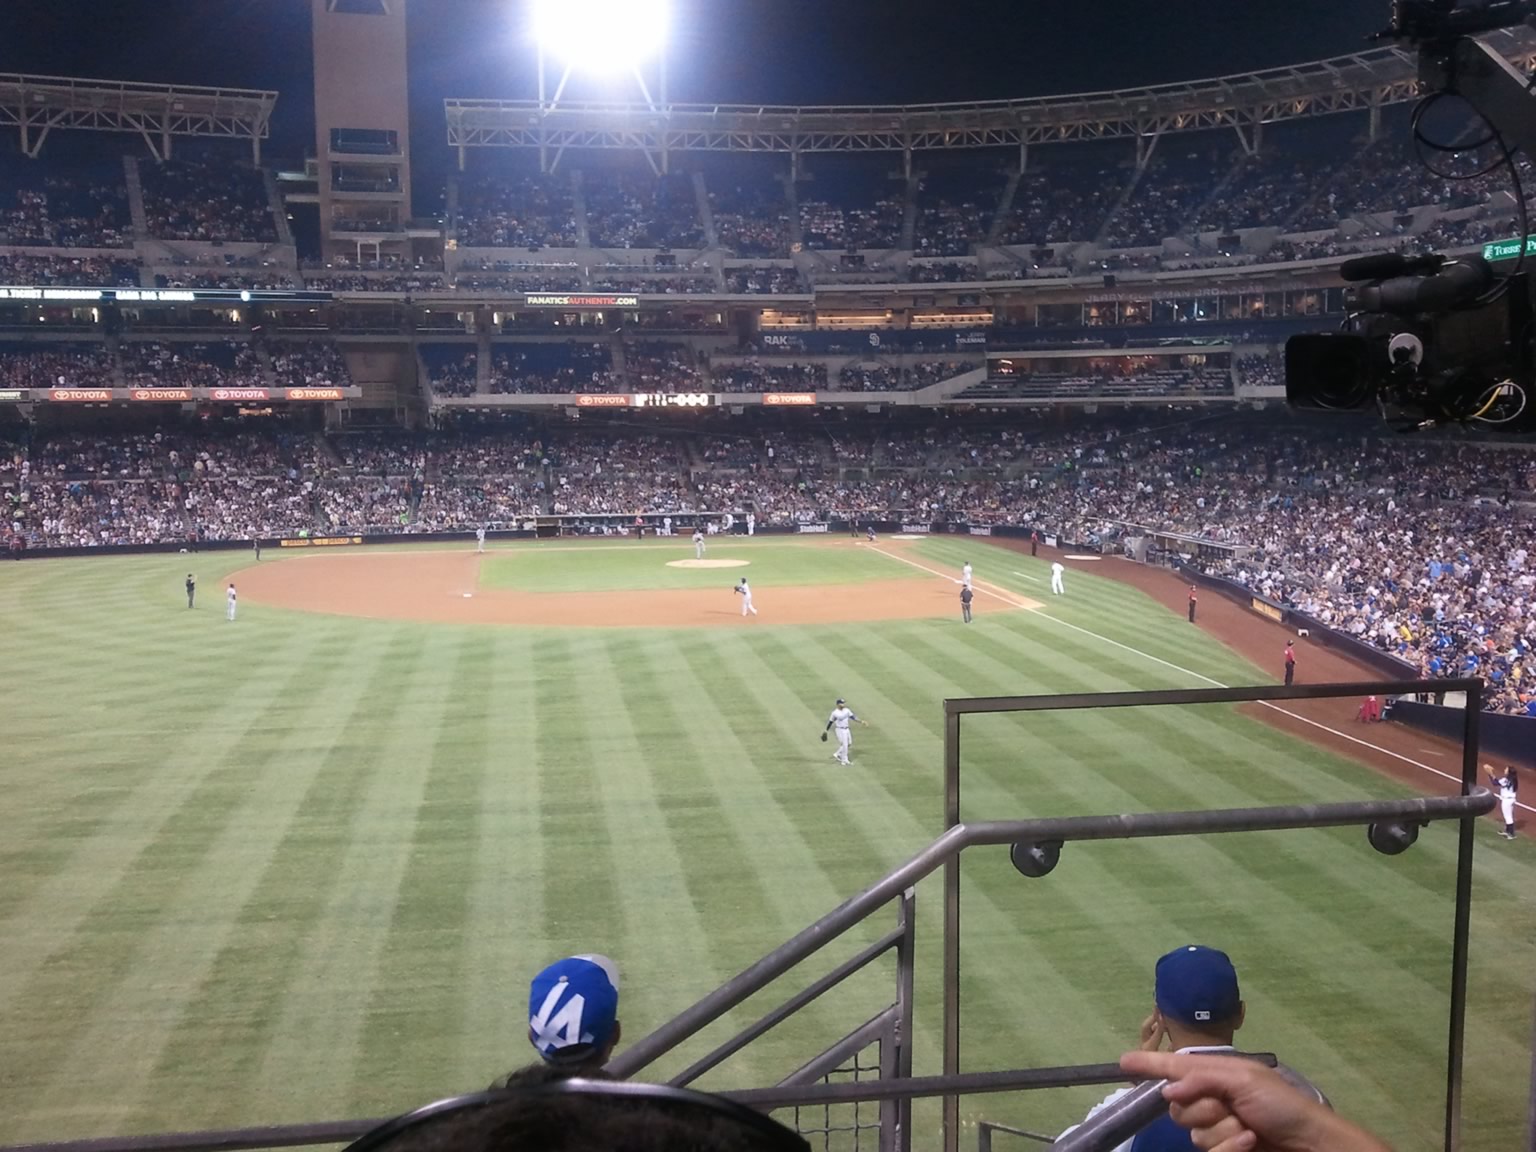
column 1500, row 735
column 553, row 526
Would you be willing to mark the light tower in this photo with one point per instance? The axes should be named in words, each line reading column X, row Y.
column 605, row 41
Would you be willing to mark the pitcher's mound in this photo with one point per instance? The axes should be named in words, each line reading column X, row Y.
column 708, row 563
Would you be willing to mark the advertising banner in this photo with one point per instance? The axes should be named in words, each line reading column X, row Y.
column 240, row 394
column 602, row 400
column 319, row 541
column 313, row 394
column 790, row 399
column 915, row 529
column 1265, row 608
column 161, row 395
column 980, row 530
column 85, row 395
column 565, row 301
column 809, row 528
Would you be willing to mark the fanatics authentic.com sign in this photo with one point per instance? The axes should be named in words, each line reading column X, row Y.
column 563, row 301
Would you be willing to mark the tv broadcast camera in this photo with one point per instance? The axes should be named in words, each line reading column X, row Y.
column 1437, row 339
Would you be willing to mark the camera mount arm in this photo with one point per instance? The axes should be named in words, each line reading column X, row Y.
column 1488, row 82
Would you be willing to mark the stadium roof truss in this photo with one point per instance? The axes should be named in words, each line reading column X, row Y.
column 1365, row 81
column 38, row 104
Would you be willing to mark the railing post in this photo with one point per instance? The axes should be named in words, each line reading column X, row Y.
column 905, row 973
column 951, row 1126
column 890, row 1110
column 1463, row 921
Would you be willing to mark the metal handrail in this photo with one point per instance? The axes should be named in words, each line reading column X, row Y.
column 796, row 1002
column 1422, row 809
column 764, row 1099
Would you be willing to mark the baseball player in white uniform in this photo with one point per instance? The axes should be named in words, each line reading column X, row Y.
column 1057, row 568
column 666, row 525
column 480, row 539
column 841, row 716
column 744, row 590
column 229, row 603
column 751, row 524
column 698, row 544
column 965, row 574
column 1508, row 784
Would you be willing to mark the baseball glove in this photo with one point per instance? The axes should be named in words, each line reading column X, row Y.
column 823, row 737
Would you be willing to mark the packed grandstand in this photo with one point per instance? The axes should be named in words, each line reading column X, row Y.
column 1072, row 343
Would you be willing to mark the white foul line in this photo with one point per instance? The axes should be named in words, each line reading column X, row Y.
column 1207, row 679
column 979, row 585
column 1027, row 576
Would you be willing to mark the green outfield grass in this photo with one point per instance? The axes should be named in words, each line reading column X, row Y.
column 301, row 867
column 613, row 566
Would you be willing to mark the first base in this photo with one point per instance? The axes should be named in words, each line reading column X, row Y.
column 467, row 595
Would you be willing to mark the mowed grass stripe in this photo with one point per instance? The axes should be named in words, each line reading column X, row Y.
column 171, row 912
column 998, row 1001
column 506, row 925
column 407, row 1051
column 581, row 893
column 772, row 715
column 646, row 785
column 741, row 759
column 277, row 875
column 62, row 901
column 308, row 1063
column 1049, row 980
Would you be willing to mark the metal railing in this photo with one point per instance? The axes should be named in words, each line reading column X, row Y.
column 986, row 1128
column 891, row 1026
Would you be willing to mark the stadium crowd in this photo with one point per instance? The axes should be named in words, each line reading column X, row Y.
column 207, row 199
column 1418, row 547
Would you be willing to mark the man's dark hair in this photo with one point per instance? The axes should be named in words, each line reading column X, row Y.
column 563, row 1116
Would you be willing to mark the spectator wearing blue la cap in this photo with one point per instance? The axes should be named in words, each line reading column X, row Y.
column 1198, row 1007
column 573, row 1019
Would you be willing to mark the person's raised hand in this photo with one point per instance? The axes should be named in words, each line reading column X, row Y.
column 1231, row 1104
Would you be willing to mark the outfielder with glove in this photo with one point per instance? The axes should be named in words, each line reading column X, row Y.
column 1508, row 784
column 839, row 719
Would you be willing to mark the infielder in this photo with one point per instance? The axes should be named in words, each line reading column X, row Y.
column 965, row 574
column 229, row 603
column 480, row 539
column 698, row 544
column 1509, row 788
column 1057, row 570
column 744, row 590
column 839, row 719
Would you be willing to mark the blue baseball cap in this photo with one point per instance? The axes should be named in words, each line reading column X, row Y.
column 573, row 1008
column 1197, row 985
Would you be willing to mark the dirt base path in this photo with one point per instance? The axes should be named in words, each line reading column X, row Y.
column 444, row 587
column 1406, row 754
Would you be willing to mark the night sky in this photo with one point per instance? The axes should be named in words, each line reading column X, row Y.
column 727, row 51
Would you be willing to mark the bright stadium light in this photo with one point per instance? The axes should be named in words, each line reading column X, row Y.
column 604, row 37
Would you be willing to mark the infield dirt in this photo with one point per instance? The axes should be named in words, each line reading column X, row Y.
column 432, row 586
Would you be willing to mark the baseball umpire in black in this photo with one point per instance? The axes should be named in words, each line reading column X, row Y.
column 966, row 596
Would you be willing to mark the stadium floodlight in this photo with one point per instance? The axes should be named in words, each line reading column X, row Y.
column 603, row 37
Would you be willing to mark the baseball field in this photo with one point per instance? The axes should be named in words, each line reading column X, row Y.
column 301, row 866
